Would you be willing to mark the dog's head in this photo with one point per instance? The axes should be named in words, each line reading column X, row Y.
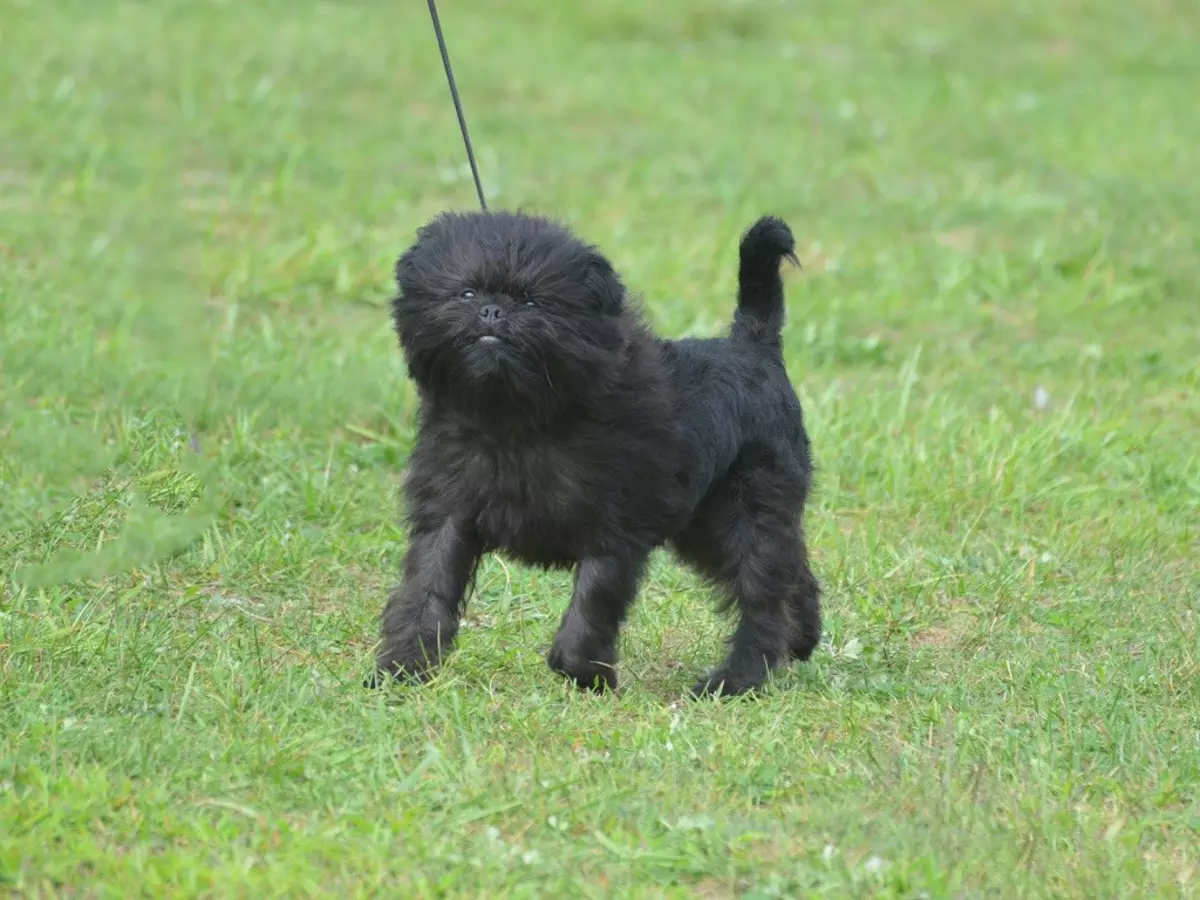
column 508, row 311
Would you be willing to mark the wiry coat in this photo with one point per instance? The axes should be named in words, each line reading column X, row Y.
column 557, row 428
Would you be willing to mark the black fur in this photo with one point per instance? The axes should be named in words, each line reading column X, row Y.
column 556, row 427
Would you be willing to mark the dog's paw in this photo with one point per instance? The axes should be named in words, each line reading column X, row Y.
column 721, row 682
column 406, row 658
column 386, row 676
column 590, row 674
column 804, row 640
column 378, row 679
column 801, row 647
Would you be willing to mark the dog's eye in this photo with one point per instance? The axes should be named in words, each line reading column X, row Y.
column 467, row 295
column 530, row 303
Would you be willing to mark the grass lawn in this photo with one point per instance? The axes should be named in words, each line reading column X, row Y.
column 204, row 419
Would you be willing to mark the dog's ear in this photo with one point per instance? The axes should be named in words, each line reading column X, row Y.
column 404, row 266
column 427, row 235
column 604, row 285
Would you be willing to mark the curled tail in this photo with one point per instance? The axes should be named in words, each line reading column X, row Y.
column 759, row 316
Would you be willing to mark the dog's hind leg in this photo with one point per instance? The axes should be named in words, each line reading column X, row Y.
column 804, row 605
column 761, row 588
column 746, row 537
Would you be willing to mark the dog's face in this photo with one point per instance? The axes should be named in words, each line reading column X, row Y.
column 507, row 312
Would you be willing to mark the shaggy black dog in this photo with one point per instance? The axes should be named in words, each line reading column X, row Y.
column 556, row 427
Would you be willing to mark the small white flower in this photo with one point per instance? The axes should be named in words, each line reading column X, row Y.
column 852, row 649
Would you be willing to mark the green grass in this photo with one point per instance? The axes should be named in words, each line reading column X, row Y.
column 204, row 418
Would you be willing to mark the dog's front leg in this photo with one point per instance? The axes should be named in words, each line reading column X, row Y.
column 585, row 648
column 422, row 614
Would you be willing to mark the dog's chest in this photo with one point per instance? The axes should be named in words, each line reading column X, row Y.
column 530, row 501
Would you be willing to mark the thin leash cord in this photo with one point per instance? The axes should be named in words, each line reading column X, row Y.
column 462, row 119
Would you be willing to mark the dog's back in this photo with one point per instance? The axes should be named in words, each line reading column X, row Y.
column 734, row 391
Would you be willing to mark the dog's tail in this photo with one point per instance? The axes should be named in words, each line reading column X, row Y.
column 759, row 316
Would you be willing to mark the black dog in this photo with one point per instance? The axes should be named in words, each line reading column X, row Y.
column 556, row 427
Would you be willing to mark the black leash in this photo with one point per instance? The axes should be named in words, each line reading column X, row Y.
column 462, row 120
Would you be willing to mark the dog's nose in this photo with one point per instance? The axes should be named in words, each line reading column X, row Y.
column 491, row 314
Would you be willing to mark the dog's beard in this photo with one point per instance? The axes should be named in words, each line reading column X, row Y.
column 510, row 377
column 504, row 367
